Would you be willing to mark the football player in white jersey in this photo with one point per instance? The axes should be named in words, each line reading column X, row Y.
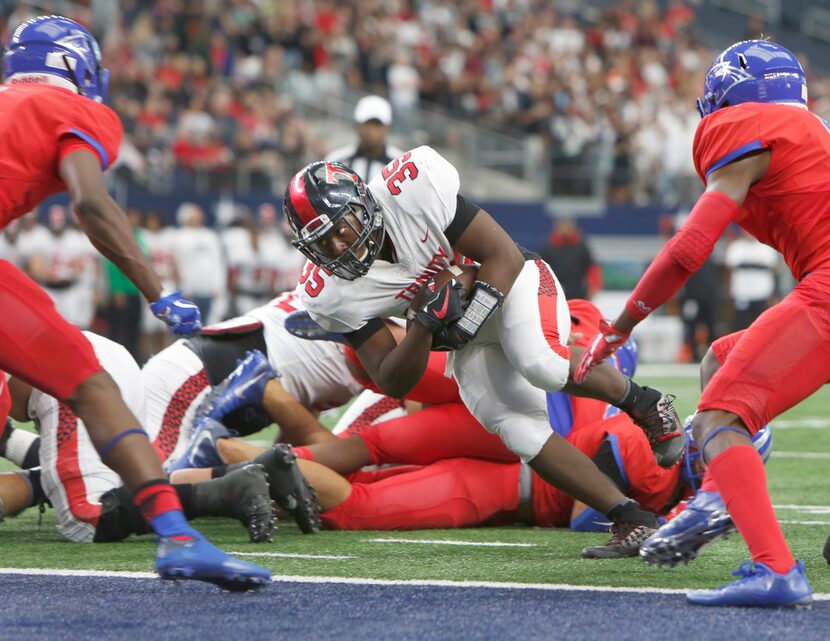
column 313, row 376
column 371, row 248
column 90, row 502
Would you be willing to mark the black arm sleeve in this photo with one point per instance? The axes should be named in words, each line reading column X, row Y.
column 360, row 336
column 465, row 211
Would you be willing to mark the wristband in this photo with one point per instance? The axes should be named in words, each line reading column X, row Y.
column 485, row 300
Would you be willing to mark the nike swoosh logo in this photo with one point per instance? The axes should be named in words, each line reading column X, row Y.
column 426, row 237
column 443, row 311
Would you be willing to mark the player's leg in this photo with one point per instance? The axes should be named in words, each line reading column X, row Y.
column 781, row 359
column 44, row 350
column 447, row 494
column 533, row 326
column 19, row 490
column 509, row 406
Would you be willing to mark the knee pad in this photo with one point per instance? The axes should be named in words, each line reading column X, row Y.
column 549, row 372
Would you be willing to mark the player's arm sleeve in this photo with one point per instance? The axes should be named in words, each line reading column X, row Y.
column 357, row 337
column 684, row 254
column 465, row 211
column 725, row 137
column 99, row 132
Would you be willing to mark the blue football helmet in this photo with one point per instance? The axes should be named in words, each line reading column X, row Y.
column 691, row 472
column 753, row 71
column 57, row 51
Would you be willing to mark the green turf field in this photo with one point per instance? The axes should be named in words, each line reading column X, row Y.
column 797, row 473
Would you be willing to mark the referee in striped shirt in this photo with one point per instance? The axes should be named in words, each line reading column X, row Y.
column 371, row 153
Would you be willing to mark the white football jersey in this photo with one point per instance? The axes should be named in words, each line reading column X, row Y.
column 313, row 372
column 417, row 194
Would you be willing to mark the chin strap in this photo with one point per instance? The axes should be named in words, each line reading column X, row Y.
column 484, row 302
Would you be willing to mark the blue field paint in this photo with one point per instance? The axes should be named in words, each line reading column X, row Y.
column 72, row 608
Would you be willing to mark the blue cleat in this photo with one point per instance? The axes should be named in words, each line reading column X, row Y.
column 704, row 521
column 301, row 325
column 195, row 558
column 244, row 386
column 201, row 450
column 759, row 587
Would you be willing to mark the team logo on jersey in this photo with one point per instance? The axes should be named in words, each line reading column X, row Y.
column 437, row 263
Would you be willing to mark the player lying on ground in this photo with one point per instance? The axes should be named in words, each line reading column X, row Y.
column 764, row 158
column 89, row 500
column 56, row 135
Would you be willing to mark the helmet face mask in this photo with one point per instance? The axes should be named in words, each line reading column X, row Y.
column 327, row 200
column 753, row 71
column 57, row 51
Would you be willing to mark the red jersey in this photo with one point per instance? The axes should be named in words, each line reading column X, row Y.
column 789, row 208
column 39, row 125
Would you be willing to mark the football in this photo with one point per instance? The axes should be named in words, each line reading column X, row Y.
column 465, row 274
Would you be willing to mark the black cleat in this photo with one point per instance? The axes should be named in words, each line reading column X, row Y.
column 827, row 550
column 662, row 426
column 626, row 539
column 247, row 497
column 289, row 488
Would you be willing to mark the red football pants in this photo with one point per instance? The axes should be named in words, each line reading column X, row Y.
column 36, row 344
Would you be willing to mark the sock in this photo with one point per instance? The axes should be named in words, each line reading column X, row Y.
column 119, row 517
column 629, row 511
column 708, row 483
column 205, row 499
column 742, row 481
column 636, row 398
column 160, row 506
column 21, row 447
column 219, row 471
column 38, row 495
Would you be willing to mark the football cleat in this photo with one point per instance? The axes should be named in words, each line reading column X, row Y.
column 195, row 558
column 663, row 428
column 759, row 587
column 246, row 495
column 201, row 450
column 242, row 387
column 626, row 539
column 826, row 551
column 289, row 488
column 703, row 522
column 301, row 325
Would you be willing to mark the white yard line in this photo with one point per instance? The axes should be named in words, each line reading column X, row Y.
column 484, row 544
column 822, row 523
column 807, row 509
column 287, row 555
column 808, row 422
column 498, row 585
column 805, row 455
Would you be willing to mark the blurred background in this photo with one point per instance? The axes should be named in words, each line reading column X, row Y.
column 571, row 122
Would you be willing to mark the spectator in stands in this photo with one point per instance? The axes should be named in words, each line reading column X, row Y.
column 752, row 284
column 199, row 260
column 371, row 152
column 124, row 311
column 159, row 239
column 570, row 258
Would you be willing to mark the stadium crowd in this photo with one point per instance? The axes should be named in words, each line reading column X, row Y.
column 208, row 95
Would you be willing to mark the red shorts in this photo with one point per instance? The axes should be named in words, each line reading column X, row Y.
column 781, row 359
column 36, row 344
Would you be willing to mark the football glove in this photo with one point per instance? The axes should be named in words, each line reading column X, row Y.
column 608, row 341
column 441, row 307
column 179, row 314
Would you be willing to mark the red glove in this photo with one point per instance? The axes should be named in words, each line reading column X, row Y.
column 604, row 344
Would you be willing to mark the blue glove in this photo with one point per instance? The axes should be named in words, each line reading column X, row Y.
column 180, row 315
